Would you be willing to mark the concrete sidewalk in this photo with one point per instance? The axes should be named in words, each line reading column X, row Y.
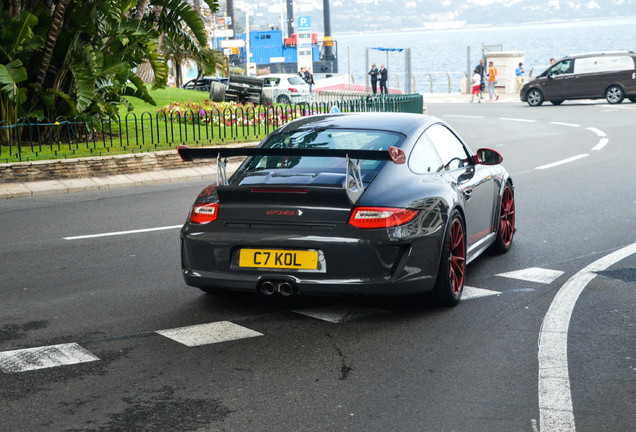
column 198, row 172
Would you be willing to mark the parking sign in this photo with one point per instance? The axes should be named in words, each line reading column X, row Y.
column 303, row 23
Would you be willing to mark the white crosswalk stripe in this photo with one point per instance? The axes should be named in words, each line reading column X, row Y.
column 204, row 334
column 534, row 274
column 473, row 293
column 44, row 357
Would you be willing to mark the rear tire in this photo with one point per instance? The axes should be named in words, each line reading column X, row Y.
column 217, row 92
column 556, row 102
column 452, row 266
column 534, row 97
column 283, row 99
column 633, row 99
column 614, row 94
column 506, row 225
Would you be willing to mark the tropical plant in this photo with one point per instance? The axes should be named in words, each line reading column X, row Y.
column 73, row 57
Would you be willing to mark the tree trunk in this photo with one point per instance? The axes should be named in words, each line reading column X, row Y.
column 47, row 53
column 141, row 9
column 15, row 9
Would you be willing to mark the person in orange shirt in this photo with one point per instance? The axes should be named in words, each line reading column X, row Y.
column 492, row 80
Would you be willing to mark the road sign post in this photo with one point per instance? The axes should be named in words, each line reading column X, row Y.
column 303, row 43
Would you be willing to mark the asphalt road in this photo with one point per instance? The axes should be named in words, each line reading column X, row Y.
column 547, row 341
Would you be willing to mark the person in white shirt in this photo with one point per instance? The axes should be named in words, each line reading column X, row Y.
column 476, row 83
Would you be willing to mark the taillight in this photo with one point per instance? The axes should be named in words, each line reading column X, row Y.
column 380, row 217
column 204, row 213
column 292, row 90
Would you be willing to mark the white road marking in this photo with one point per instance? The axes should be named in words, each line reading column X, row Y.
column 204, row 334
column 602, row 143
column 564, row 161
column 597, row 132
column 473, row 293
column 340, row 312
column 555, row 397
column 534, row 274
column 565, row 124
column 44, row 357
column 517, row 120
column 464, row 116
column 118, row 233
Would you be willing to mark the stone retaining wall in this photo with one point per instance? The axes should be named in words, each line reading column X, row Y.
column 22, row 172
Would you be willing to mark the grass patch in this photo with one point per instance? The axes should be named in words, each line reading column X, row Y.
column 164, row 97
column 139, row 130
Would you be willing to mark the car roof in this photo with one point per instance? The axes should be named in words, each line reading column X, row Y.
column 278, row 76
column 403, row 123
column 600, row 53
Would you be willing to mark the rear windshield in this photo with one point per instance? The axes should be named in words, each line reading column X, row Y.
column 296, row 80
column 345, row 139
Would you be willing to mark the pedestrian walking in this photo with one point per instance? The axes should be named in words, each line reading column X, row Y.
column 309, row 78
column 481, row 70
column 519, row 73
column 492, row 80
column 373, row 73
column 384, row 76
column 476, row 85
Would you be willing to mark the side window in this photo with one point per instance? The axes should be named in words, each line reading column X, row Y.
column 563, row 67
column 450, row 149
column 424, row 158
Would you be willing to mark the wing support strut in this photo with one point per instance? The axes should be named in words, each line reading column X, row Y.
column 221, row 171
column 353, row 180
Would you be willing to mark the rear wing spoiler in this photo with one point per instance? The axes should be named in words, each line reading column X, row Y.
column 188, row 154
column 354, row 187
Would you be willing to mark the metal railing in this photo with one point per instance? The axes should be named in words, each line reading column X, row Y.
column 429, row 82
column 31, row 139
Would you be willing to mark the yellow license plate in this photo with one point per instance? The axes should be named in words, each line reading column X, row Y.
column 277, row 258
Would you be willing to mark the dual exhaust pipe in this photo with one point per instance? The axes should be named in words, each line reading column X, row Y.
column 283, row 288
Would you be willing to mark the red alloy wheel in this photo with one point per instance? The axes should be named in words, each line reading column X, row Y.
column 507, row 217
column 457, row 261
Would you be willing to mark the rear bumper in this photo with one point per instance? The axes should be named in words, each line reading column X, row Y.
column 352, row 265
column 304, row 286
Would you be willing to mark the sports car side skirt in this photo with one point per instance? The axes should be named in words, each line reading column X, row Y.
column 478, row 248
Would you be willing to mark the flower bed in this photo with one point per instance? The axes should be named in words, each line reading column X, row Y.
column 232, row 113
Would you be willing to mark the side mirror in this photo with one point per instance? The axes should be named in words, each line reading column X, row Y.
column 486, row 156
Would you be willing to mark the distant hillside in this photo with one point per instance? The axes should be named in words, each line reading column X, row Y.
column 387, row 15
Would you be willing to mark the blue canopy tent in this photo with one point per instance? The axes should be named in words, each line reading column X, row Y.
column 407, row 68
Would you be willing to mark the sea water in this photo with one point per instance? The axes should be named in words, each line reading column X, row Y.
column 440, row 54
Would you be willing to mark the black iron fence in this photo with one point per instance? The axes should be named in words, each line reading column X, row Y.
column 31, row 139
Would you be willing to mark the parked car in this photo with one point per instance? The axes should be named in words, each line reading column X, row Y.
column 369, row 204
column 204, row 83
column 285, row 88
column 610, row 75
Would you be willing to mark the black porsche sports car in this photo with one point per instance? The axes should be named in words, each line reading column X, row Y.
column 371, row 204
